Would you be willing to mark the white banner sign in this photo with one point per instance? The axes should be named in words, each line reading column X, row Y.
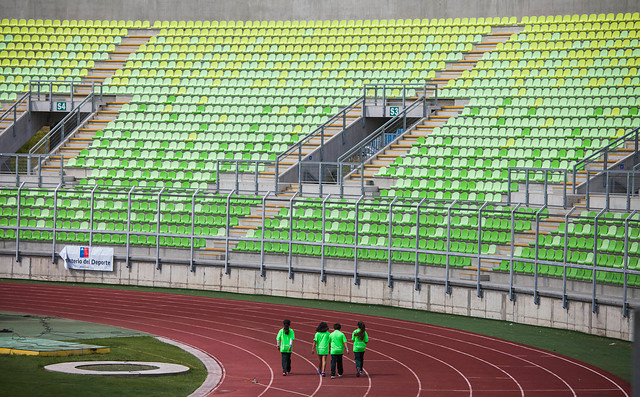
column 87, row 258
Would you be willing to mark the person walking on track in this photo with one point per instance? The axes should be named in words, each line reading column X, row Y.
column 339, row 346
column 321, row 346
column 284, row 342
column 360, row 339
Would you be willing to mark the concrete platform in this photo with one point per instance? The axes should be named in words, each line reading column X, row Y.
column 47, row 347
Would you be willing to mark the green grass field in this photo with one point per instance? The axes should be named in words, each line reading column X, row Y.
column 26, row 376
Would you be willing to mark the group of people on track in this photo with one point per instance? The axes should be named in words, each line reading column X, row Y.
column 325, row 343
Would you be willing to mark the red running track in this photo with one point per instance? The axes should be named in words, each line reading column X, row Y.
column 403, row 358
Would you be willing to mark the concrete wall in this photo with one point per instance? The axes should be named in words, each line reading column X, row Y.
column 463, row 301
column 301, row 9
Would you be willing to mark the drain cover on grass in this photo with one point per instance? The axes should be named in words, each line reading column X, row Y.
column 119, row 368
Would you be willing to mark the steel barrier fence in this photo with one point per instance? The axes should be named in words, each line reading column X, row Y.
column 407, row 247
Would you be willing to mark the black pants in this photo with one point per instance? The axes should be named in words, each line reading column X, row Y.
column 286, row 362
column 359, row 359
column 336, row 359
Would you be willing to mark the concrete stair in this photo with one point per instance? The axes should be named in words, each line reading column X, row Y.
column 117, row 59
column 83, row 137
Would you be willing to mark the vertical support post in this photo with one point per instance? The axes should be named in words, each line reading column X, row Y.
column 416, row 282
column 509, row 186
column 276, row 176
column 479, row 291
column 255, row 176
column 625, row 267
column 158, row 214
column 565, row 300
column 192, row 267
column 61, row 169
column 608, row 196
column 320, row 178
column 291, row 235
column 536, row 297
column 322, row 142
column 127, row 259
column 512, row 294
column 323, row 275
column 54, row 258
column 218, row 176
column 237, row 162
column 91, row 215
column 546, row 187
column 356, row 279
column 390, row 237
column 226, row 240
column 526, row 192
column 40, row 170
column 263, row 273
column 564, row 190
column 588, row 191
column 19, row 209
column 594, row 302
column 447, row 285
column 629, row 191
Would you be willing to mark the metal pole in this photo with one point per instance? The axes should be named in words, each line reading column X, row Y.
column 158, row 264
column 479, row 292
column 54, row 258
column 356, row 280
column 606, row 173
column 564, row 190
column 389, row 280
column 447, row 286
column 226, row 240
column 237, row 162
column 526, row 187
column 509, row 186
column 416, row 283
column 192, row 267
column 565, row 301
column 218, row 176
column 546, row 188
column 594, row 303
column 128, row 263
column 276, row 176
column 255, row 177
column 323, row 275
column 625, row 306
column 91, row 216
column 588, row 192
column 512, row 295
column 18, row 223
column 291, row 235
column 536, row 297
column 263, row 273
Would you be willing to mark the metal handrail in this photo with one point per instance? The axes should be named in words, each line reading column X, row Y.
column 75, row 112
column 313, row 133
column 604, row 151
column 14, row 111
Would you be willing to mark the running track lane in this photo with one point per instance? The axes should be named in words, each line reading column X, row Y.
column 402, row 359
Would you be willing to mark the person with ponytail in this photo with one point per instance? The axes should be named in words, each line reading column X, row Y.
column 360, row 339
column 284, row 342
column 321, row 346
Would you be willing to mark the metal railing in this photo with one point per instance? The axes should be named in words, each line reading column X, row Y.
column 12, row 114
column 239, row 167
column 53, row 90
column 604, row 152
column 317, row 133
column 379, row 140
column 28, row 167
column 409, row 257
column 385, row 92
column 60, row 133
column 617, row 184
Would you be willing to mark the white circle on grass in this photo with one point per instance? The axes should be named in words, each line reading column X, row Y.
column 158, row 368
